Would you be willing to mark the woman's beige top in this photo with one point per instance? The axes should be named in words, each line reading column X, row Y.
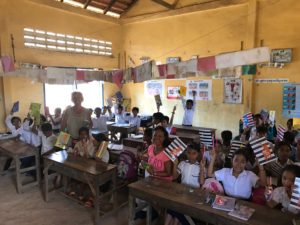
column 75, row 121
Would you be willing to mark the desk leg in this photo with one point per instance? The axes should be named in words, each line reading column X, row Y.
column 114, row 194
column 18, row 175
column 131, row 206
column 97, row 208
column 37, row 168
column 46, row 187
column 149, row 214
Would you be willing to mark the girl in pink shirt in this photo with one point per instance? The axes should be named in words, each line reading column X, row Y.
column 160, row 165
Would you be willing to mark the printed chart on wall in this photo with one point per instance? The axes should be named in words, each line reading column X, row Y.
column 233, row 91
column 203, row 89
column 154, row 87
column 291, row 101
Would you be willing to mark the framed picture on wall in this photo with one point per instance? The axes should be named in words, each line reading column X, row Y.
column 173, row 92
column 283, row 55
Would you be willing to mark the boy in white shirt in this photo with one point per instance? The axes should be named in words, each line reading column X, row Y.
column 48, row 138
column 14, row 126
column 99, row 123
column 56, row 121
column 119, row 116
column 135, row 120
column 189, row 107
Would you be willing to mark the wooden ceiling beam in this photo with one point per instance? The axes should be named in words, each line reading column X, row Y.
column 129, row 7
column 112, row 2
column 87, row 3
column 165, row 4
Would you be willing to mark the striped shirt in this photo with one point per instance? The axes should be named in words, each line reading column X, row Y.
column 275, row 168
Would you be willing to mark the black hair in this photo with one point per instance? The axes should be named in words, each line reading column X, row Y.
column 226, row 135
column 45, row 127
column 15, row 118
column 135, row 109
column 291, row 120
column 257, row 116
column 289, row 137
column 283, row 143
column 120, row 107
column 293, row 169
column 158, row 116
column 241, row 151
column 190, row 101
column 43, row 118
column 166, row 141
column 84, row 129
column 148, row 132
column 101, row 137
column 194, row 146
column 166, row 118
column 262, row 129
column 97, row 108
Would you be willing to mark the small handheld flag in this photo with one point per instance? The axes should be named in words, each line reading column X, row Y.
column 280, row 132
column 175, row 149
column 262, row 150
column 206, row 137
column 248, row 120
column 235, row 145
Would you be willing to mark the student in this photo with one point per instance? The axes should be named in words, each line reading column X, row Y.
column 289, row 138
column 160, row 166
column 189, row 107
column 14, row 125
column 48, row 138
column 226, row 140
column 274, row 168
column 281, row 195
column 190, row 176
column 85, row 146
column 167, row 123
column 99, row 123
column 56, row 121
column 134, row 119
column 157, row 119
column 290, row 126
column 258, row 120
column 119, row 115
column 237, row 181
column 142, row 151
column 220, row 156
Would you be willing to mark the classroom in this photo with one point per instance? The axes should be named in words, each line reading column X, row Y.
column 163, row 112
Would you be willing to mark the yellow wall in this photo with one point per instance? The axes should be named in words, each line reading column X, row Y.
column 18, row 14
column 213, row 32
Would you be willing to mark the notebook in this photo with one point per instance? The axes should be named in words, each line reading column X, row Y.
column 175, row 149
column 158, row 100
column 102, row 149
column 224, row 203
column 242, row 212
column 35, row 112
column 62, row 140
column 235, row 145
column 15, row 107
column 262, row 150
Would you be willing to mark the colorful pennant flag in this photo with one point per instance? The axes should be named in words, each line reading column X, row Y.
column 295, row 199
column 235, row 145
column 248, row 120
column 206, row 137
column 8, row 64
column 117, row 77
column 175, row 149
column 262, row 150
column 280, row 132
column 206, row 64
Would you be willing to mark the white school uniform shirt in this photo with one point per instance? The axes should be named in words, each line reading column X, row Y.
column 47, row 143
column 100, row 123
column 240, row 187
column 120, row 118
column 58, row 126
column 188, row 113
column 189, row 173
column 135, row 121
column 279, row 195
column 14, row 132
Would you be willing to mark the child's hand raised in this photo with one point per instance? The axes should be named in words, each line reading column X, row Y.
column 213, row 153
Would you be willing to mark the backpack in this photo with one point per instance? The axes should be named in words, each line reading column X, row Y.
column 127, row 166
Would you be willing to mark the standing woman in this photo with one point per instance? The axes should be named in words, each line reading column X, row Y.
column 76, row 117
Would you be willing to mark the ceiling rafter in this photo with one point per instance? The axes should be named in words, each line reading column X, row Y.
column 87, row 3
column 112, row 2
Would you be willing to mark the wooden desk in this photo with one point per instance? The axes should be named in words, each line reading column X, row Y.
column 178, row 197
column 133, row 142
column 125, row 130
column 191, row 130
column 17, row 150
column 84, row 170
